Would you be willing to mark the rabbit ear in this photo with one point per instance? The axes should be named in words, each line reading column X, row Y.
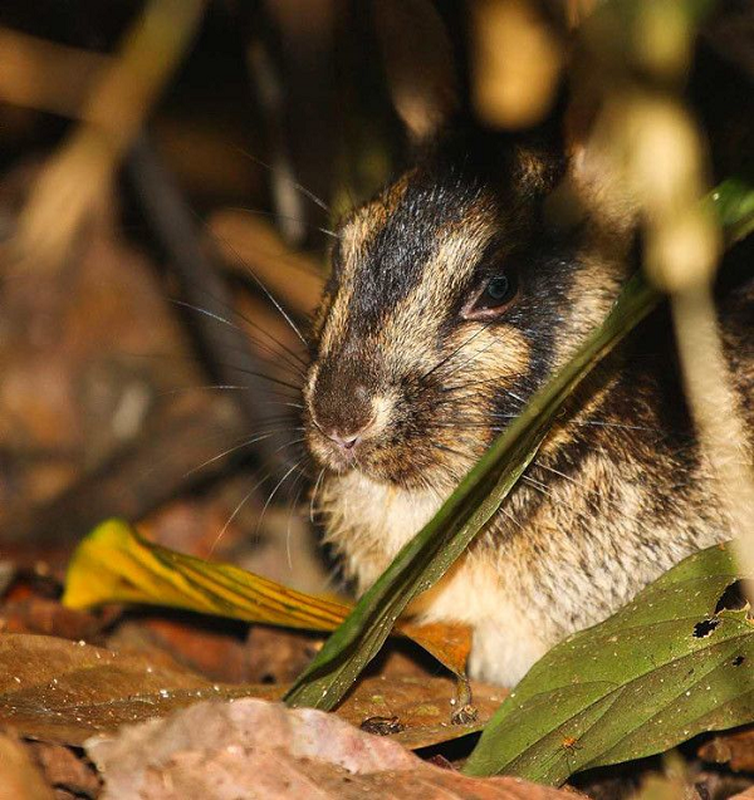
column 419, row 62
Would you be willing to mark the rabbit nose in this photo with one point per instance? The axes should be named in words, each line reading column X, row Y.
column 348, row 440
column 341, row 401
column 342, row 409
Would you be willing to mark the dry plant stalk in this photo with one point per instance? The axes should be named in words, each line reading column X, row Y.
column 253, row 246
column 517, row 62
column 77, row 176
column 682, row 250
column 576, row 11
column 716, row 413
column 420, row 70
column 50, row 77
column 655, row 147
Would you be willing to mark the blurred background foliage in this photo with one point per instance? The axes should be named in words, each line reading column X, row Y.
column 154, row 153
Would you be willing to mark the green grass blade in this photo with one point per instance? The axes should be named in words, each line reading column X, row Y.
column 427, row 557
column 733, row 201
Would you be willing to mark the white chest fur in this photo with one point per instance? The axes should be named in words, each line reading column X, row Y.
column 524, row 588
column 368, row 523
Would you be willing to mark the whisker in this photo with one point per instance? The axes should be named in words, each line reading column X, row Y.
column 474, row 356
column 235, row 448
column 469, row 384
column 296, row 367
column 274, row 215
column 306, row 192
column 510, row 516
column 603, row 424
column 471, row 359
column 248, row 494
column 206, row 312
column 462, row 425
column 581, row 484
column 265, row 376
column 171, row 357
column 283, row 313
column 293, row 506
column 224, row 321
column 206, row 388
column 451, row 450
column 594, row 423
column 274, row 491
column 537, row 484
column 454, row 352
column 516, row 397
column 314, row 494
column 292, row 353
column 454, row 474
column 236, row 511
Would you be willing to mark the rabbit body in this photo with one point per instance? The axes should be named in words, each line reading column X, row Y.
column 451, row 301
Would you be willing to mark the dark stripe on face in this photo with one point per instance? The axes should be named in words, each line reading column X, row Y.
column 546, row 280
column 395, row 262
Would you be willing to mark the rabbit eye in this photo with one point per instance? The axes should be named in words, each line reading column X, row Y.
column 498, row 291
column 494, row 298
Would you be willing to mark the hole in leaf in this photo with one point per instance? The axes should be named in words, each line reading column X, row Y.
column 733, row 598
column 738, row 660
column 705, row 627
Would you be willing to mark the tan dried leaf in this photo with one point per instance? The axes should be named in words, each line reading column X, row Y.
column 61, row 691
column 253, row 748
column 19, row 778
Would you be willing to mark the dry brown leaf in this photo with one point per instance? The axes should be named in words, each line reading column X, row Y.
column 64, row 769
column 19, row 778
column 421, row 707
column 253, row 748
column 735, row 750
column 215, row 651
column 64, row 692
column 450, row 644
column 35, row 614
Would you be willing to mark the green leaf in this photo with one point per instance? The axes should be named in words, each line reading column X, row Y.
column 663, row 669
column 427, row 557
column 733, row 201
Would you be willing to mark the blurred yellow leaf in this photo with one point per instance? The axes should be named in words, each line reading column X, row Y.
column 114, row 564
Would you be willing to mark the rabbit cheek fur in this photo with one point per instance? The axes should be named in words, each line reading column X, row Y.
column 405, row 393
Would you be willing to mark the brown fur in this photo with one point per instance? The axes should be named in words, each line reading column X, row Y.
column 619, row 492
